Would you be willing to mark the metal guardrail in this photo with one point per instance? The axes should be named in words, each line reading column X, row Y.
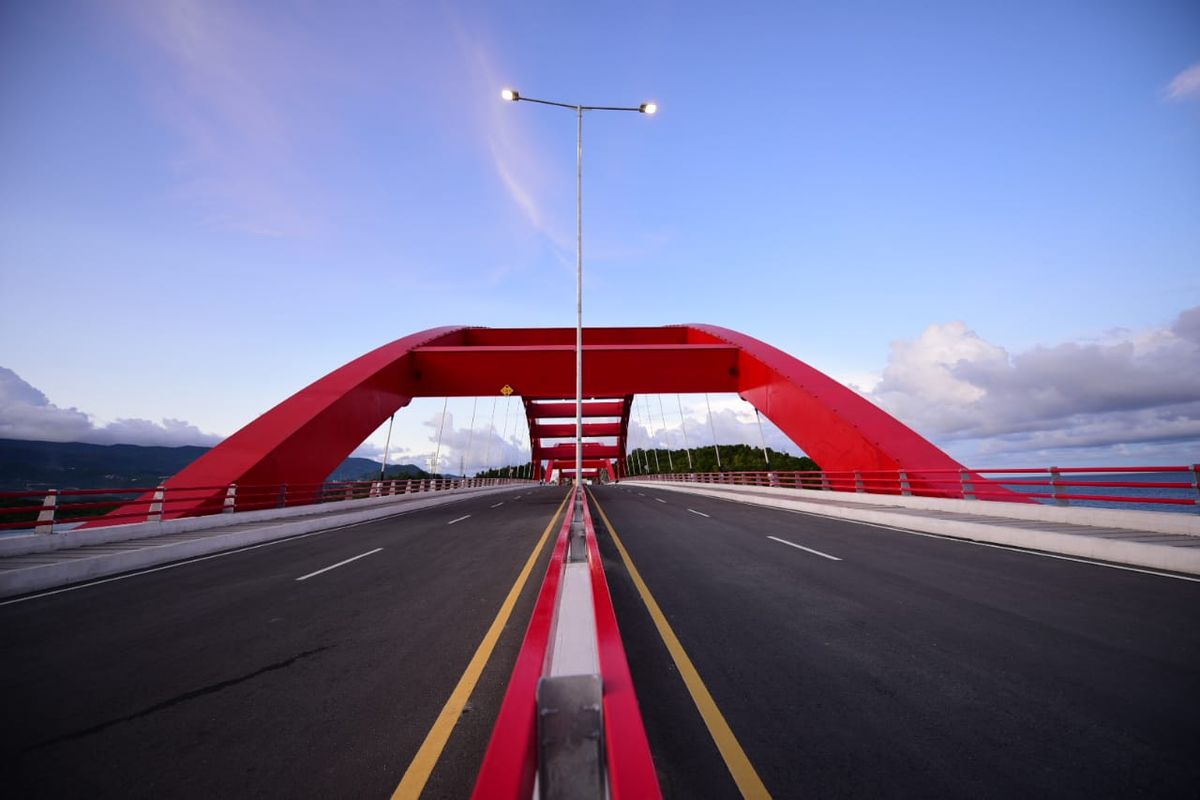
column 120, row 506
column 1146, row 486
column 526, row 734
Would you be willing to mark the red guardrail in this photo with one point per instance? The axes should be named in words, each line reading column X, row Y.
column 1152, row 485
column 46, row 510
column 630, row 766
column 511, row 760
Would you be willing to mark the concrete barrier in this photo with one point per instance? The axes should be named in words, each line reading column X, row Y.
column 1029, row 536
column 275, row 524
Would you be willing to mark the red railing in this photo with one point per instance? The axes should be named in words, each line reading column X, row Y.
column 48, row 511
column 1152, row 486
column 511, row 759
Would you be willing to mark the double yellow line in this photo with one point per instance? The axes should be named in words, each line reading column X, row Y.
column 743, row 772
column 418, row 772
column 422, row 765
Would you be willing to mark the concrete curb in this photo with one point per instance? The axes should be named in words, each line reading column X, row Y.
column 1149, row 521
column 75, row 570
column 1141, row 554
column 67, row 539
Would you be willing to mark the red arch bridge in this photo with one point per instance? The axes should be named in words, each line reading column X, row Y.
column 301, row 441
column 751, row 635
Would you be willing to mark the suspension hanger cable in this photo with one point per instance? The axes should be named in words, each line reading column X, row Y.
column 683, row 427
column 762, row 439
column 633, row 454
column 462, row 457
column 663, row 417
column 647, row 423
column 387, row 446
column 645, row 445
column 639, row 463
column 487, row 453
column 437, row 452
column 713, row 428
column 529, row 441
column 504, row 436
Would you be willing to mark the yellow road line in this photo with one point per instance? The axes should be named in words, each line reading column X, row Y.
column 739, row 765
column 418, row 772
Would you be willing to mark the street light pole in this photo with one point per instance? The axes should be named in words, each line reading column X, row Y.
column 645, row 108
column 579, row 297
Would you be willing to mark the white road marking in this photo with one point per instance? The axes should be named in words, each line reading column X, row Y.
column 460, row 519
column 201, row 558
column 701, row 513
column 990, row 544
column 805, row 549
column 641, row 494
column 496, row 505
column 659, row 499
column 339, row 564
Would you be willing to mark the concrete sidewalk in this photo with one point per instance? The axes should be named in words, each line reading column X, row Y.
column 34, row 563
column 1157, row 540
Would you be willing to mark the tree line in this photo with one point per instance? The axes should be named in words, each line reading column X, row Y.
column 733, row 458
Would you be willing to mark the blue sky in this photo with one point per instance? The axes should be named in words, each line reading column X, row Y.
column 983, row 215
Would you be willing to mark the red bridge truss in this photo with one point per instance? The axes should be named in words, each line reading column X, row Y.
column 301, row 440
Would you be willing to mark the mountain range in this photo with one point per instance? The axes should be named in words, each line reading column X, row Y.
column 30, row 466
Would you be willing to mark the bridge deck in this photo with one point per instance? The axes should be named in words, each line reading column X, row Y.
column 978, row 513
column 844, row 659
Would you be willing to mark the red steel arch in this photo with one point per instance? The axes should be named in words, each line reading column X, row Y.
column 303, row 439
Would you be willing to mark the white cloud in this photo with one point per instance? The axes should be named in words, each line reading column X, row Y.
column 492, row 443
column 733, row 421
column 236, row 91
column 1132, row 390
column 26, row 413
column 1184, row 85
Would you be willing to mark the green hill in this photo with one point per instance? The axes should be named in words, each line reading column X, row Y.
column 33, row 466
column 734, row 458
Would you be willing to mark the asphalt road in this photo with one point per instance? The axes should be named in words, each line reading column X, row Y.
column 911, row 667
column 229, row 677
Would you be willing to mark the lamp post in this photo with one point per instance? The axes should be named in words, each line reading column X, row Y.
column 645, row 108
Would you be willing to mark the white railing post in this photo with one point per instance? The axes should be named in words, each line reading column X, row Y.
column 45, row 520
column 376, row 488
column 230, row 499
column 156, row 505
column 1196, row 482
column 968, row 487
column 283, row 495
column 824, row 482
column 905, row 488
column 1055, row 486
column 349, row 492
column 858, row 482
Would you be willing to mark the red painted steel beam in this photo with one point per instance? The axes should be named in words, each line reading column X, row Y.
column 541, row 337
column 304, row 438
column 543, row 430
column 301, row 440
column 631, row 773
column 590, row 450
column 565, row 410
column 839, row 428
column 610, row 370
column 510, row 761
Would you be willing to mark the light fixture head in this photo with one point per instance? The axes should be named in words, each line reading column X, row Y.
column 510, row 94
column 648, row 108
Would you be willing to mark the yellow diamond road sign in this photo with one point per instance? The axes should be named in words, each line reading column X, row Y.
column 506, row 390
